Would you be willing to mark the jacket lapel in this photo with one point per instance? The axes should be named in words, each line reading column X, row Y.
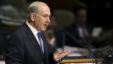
column 35, row 43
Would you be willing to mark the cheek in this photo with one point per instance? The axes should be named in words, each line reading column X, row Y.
column 40, row 22
column 37, row 24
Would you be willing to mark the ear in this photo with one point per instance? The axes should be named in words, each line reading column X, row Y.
column 32, row 16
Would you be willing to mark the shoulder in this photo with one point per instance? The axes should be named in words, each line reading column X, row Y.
column 19, row 32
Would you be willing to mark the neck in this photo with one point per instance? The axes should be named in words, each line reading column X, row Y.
column 33, row 25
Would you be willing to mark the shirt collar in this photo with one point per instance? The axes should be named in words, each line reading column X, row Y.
column 32, row 28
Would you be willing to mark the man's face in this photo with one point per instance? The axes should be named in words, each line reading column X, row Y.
column 82, row 15
column 41, row 19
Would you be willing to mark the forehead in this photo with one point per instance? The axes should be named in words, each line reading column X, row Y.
column 44, row 9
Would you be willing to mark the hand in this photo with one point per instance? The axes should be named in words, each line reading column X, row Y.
column 60, row 54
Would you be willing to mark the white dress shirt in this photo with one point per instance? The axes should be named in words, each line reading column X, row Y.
column 82, row 31
column 34, row 31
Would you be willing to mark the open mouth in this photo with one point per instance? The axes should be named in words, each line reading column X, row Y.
column 45, row 25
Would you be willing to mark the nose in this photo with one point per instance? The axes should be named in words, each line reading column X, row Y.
column 48, row 20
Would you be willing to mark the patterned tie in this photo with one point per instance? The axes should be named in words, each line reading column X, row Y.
column 41, row 41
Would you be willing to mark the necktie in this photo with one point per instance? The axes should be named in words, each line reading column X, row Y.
column 41, row 41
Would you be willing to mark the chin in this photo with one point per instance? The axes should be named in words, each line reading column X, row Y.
column 44, row 29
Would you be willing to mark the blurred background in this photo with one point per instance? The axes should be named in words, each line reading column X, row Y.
column 96, row 14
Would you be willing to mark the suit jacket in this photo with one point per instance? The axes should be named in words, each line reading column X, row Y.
column 24, row 49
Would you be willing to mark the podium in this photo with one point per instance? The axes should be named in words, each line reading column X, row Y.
column 80, row 56
column 78, row 60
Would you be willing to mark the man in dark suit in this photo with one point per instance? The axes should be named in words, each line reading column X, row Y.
column 28, row 44
column 79, row 33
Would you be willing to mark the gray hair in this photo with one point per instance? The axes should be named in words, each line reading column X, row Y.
column 34, row 7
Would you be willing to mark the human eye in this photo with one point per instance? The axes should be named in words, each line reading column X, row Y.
column 45, row 15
